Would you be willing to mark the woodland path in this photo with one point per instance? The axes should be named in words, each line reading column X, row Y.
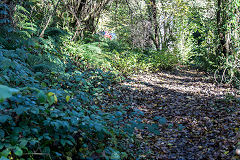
column 202, row 118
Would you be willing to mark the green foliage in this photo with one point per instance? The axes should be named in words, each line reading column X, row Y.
column 163, row 60
column 128, row 62
column 6, row 92
column 58, row 113
column 4, row 11
column 11, row 37
column 58, row 110
column 228, row 71
column 132, row 61
column 93, row 54
column 115, row 56
column 55, row 100
column 49, row 128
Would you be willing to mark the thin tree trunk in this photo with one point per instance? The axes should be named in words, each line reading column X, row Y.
column 154, row 20
column 49, row 19
column 221, row 22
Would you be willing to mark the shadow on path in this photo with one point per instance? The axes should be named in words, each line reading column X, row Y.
column 201, row 122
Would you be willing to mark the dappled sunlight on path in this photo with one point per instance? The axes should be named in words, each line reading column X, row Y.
column 202, row 118
column 184, row 84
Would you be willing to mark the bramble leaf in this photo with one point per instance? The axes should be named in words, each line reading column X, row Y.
column 6, row 92
column 18, row 151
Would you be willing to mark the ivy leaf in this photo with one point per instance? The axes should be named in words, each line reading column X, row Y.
column 63, row 142
column 180, row 127
column 18, row 151
column 140, row 125
column 35, row 111
column 58, row 154
column 162, row 120
column 19, row 110
column 69, row 142
column 98, row 127
column 118, row 114
column 4, row 118
column 6, row 92
column 50, row 94
column 55, row 98
column 153, row 128
column 170, row 125
column 51, row 98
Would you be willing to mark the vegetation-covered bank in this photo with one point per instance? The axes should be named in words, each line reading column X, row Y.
column 55, row 114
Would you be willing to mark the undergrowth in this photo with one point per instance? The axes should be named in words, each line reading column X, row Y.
column 52, row 99
column 54, row 114
column 114, row 56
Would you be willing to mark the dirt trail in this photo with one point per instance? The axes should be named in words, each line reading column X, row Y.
column 202, row 118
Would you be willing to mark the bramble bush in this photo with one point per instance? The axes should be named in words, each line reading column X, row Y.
column 56, row 112
column 53, row 114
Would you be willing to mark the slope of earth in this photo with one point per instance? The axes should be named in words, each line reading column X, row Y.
column 197, row 119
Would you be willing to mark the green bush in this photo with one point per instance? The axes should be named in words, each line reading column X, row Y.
column 163, row 60
column 133, row 61
column 93, row 55
column 129, row 62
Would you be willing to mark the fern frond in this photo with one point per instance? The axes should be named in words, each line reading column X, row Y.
column 21, row 8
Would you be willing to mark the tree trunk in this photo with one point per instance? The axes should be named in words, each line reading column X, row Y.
column 86, row 13
column 154, row 21
column 79, row 10
column 221, row 28
column 49, row 19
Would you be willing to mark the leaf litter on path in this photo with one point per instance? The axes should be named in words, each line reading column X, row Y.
column 197, row 119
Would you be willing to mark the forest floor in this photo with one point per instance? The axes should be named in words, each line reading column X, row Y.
column 201, row 119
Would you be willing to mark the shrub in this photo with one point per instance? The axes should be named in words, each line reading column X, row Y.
column 163, row 60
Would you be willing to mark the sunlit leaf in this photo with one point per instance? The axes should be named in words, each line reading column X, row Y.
column 67, row 98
